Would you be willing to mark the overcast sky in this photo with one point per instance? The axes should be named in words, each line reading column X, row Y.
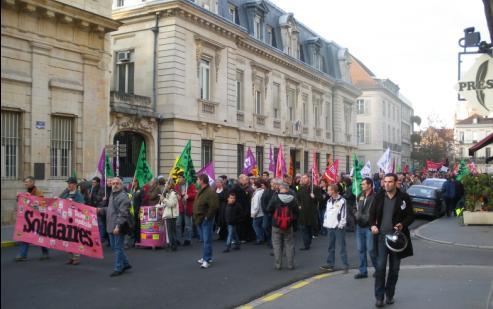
column 413, row 43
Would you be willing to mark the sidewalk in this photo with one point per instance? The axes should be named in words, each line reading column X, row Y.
column 432, row 286
column 8, row 236
column 450, row 231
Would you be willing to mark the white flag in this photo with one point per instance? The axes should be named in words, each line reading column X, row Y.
column 384, row 161
column 366, row 170
column 444, row 169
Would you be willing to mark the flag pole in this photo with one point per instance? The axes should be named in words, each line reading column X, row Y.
column 105, row 185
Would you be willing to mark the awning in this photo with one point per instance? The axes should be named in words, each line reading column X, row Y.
column 482, row 143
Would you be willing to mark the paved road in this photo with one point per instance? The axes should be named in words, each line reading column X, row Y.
column 174, row 280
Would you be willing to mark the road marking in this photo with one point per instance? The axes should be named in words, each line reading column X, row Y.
column 318, row 277
column 246, row 307
column 299, row 285
column 272, row 297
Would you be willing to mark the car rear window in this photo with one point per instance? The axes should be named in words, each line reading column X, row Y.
column 433, row 183
column 421, row 191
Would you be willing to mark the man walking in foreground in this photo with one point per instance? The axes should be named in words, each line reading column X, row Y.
column 204, row 210
column 391, row 210
column 117, row 224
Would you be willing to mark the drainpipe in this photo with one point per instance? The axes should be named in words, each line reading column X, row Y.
column 155, row 30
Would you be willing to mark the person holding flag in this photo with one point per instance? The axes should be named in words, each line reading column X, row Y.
column 187, row 193
column 308, row 197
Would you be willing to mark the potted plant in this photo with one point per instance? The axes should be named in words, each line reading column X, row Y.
column 478, row 199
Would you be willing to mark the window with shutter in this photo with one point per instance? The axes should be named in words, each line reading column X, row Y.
column 367, row 133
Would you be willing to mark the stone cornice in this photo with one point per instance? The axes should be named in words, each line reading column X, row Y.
column 64, row 13
column 186, row 10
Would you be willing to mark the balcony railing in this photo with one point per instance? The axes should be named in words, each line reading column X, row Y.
column 260, row 119
column 276, row 124
column 240, row 116
column 305, row 130
column 207, row 107
column 131, row 104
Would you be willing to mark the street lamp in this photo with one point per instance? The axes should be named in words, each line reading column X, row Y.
column 471, row 39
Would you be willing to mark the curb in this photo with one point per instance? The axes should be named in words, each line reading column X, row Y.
column 9, row 243
column 417, row 234
column 275, row 294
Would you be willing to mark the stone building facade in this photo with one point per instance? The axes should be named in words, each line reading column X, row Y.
column 230, row 75
column 55, row 92
column 383, row 118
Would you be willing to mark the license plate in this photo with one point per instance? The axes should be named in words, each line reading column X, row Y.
column 418, row 209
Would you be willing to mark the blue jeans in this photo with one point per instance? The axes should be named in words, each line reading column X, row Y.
column 382, row 288
column 364, row 243
column 116, row 242
column 24, row 247
column 232, row 236
column 257, row 227
column 338, row 235
column 102, row 229
column 206, row 231
column 323, row 230
column 185, row 222
column 267, row 226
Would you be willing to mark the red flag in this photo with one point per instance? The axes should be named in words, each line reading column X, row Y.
column 315, row 174
column 291, row 167
column 331, row 172
column 280, row 164
column 472, row 168
column 456, row 168
column 406, row 169
column 433, row 166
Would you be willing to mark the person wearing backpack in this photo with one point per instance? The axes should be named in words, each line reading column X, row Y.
column 284, row 211
column 335, row 222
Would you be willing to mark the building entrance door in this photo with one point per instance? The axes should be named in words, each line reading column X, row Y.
column 133, row 142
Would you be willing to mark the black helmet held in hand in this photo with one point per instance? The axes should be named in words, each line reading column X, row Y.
column 396, row 242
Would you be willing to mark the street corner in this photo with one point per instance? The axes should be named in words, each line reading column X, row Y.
column 267, row 299
column 418, row 287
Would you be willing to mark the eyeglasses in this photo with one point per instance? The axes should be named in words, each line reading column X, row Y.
column 115, row 183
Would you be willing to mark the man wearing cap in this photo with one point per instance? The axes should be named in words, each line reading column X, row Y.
column 71, row 193
column 391, row 210
column 24, row 246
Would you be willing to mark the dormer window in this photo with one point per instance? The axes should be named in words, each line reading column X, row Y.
column 257, row 27
column 269, row 36
column 233, row 13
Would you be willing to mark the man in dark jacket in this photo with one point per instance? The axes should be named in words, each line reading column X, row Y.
column 117, row 224
column 283, row 206
column 244, row 193
column 205, row 207
column 364, row 238
column 391, row 210
column 449, row 195
column 308, row 199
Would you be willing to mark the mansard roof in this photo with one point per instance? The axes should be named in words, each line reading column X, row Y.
column 277, row 18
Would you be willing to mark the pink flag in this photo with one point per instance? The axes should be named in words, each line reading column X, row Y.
column 272, row 163
column 101, row 168
column 250, row 162
column 209, row 171
column 281, row 164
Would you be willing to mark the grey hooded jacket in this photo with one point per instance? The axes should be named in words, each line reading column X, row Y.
column 117, row 212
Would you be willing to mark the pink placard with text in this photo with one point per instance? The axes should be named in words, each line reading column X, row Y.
column 58, row 224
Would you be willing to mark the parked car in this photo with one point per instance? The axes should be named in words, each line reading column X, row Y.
column 427, row 200
column 434, row 182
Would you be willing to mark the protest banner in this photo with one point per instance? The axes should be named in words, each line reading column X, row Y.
column 58, row 224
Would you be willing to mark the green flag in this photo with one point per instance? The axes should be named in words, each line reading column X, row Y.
column 108, row 167
column 399, row 168
column 356, row 186
column 185, row 163
column 143, row 172
column 462, row 171
column 74, row 173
